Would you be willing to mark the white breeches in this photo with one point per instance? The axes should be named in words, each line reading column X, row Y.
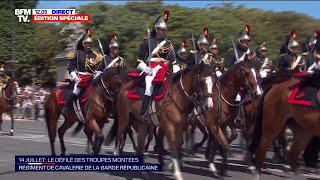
column 148, row 80
column 149, row 86
column 76, row 89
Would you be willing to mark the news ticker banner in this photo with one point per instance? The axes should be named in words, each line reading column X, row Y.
column 50, row 15
column 83, row 163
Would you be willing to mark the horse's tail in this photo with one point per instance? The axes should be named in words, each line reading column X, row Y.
column 77, row 129
column 258, row 127
column 112, row 133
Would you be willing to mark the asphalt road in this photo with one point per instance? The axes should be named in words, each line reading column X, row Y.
column 31, row 138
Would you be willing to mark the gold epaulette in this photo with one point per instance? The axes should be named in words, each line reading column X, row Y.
column 99, row 56
column 193, row 51
column 71, row 55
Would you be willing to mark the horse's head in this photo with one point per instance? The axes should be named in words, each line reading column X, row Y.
column 113, row 77
column 250, row 77
column 11, row 89
column 203, row 81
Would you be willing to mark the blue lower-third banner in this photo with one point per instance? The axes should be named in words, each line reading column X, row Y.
column 90, row 167
column 83, row 163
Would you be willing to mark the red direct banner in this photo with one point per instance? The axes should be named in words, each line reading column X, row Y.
column 61, row 18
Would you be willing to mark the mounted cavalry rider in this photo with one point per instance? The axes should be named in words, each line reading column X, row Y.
column 3, row 77
column 157, row 59
column 239, row 51
column 308, row 51
column 213, row 52
column 241, row 48
column 289, row 58
column 181, row 62
column 82, row 67
column 112, row 56
column 200, row 54
column 263, row 63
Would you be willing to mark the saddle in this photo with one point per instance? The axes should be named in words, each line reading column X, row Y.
column 161, row 83
column 66, row 90
column 306, row 93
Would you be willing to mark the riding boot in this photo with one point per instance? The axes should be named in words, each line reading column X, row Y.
column 68, row 105
column 145, row 106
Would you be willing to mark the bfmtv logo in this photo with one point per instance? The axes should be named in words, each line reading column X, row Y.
column 23, row 14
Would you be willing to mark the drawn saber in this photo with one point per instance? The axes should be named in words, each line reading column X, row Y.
column 235, row 49
column 194, row 47
column 149, row 45
column 104, row 57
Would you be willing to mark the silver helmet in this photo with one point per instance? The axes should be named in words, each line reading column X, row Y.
column 113, row 42
column 263, row 46
column 203, row 37
column 213, row 43
column 183, row 48
column 245, row 34
column 292, row 41
column 88, row 38
column 162, row 20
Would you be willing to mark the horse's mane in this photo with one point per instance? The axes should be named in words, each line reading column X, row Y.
column 231, row 69
column 108, row 73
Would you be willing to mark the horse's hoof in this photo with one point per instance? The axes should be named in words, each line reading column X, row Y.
column 252, row 169
column 286, row 168
column 213, row 169
column 178, row 176
column 256, row 176
column 170, row 166
column 11, row 132
column 63, row 154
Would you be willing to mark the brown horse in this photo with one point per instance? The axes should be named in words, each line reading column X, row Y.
column 194, row 80
column 272, row 119
column 102, row 102
column 240, row 76
column 7, row 96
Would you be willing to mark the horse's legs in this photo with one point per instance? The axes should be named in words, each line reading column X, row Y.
column 123, row 124
column 205, row 136
column 143, row 131
column 96, row 128
column 52, row 121
column 130, row 133
column 171, row 132
column 1, row 122
column 89, row 134
column 12, row 123
column 300, row 141
column 150, row 137
column 270, row 132
column 213, row 145
column 160, row 145
column 234, row 133
column 62, row 129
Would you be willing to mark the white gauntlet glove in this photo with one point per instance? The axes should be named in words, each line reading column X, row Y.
column 144, row 68
column 74, row 76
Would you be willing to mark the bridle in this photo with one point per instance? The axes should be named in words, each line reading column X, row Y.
column 109, row 94
column 13, row 91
